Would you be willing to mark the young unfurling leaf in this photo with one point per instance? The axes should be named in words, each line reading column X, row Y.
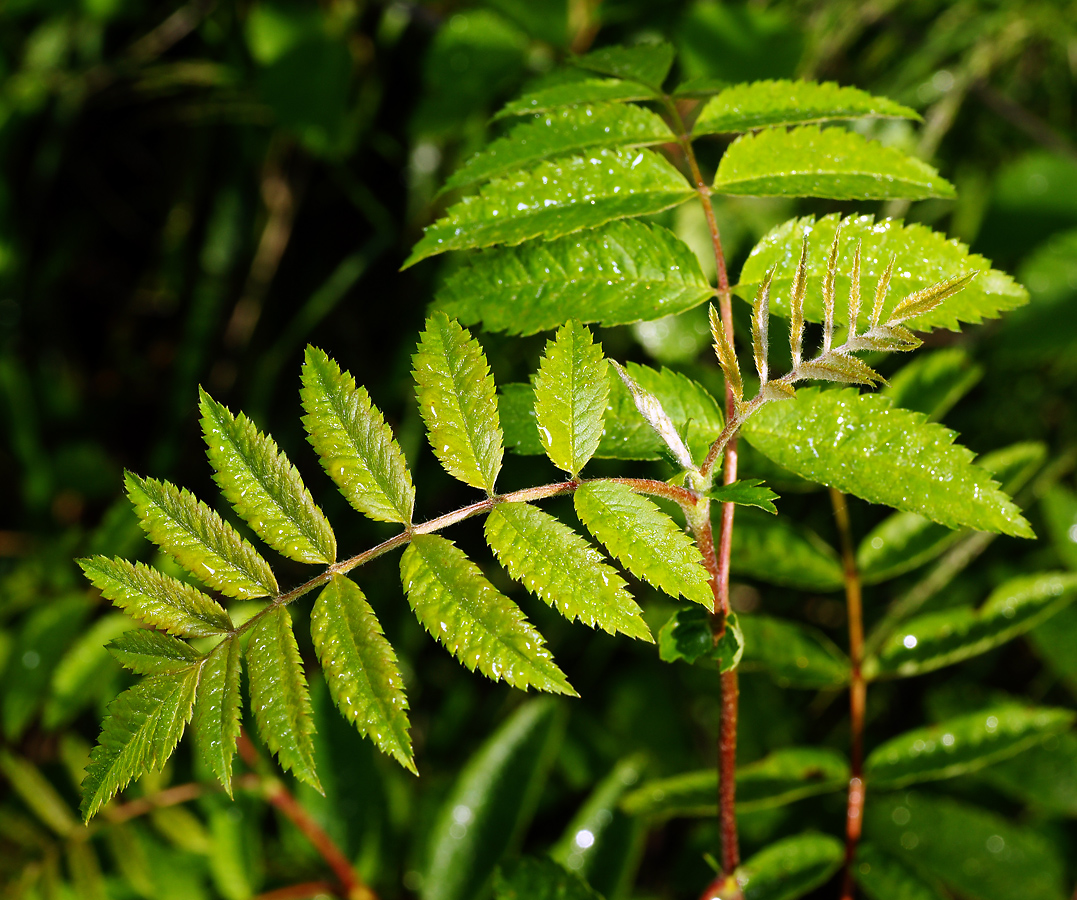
column 796, row 305
column 760, row 321
column 924, row 301
column 727, row 357
column 841, row 368
column 881, row 289
column 854, row 290
column 650, row 407
column 828, row 291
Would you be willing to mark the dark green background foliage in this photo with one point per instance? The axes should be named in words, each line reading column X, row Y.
column 192, row 193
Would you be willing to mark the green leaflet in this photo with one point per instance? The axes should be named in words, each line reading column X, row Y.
column 939, row 639
column 747, row 492
column 557, row 565
column 264, row 487
column 152, row 653
column 700, row 87
column 790, row 868
column 778, row 779
column 588, row 90
column 646, row 63
column 360, row 668
column 999, row 860
column 794, row 655
column 860, row 444
column 562, row 132
column 217, row 710
column 478, row 624
column 925, row 257
column 492, row 802
column 624, row 272
column 143, row 726
column 831, row 163
column 354, row 443
column 457, row 400
column 776, row 550
column 688, row 635
column 532, row 878
column 882, row 877
column 279, row 697
column 962, row 745
column 37, row 792
column 557, row 198
column 1059, row 506
column 626, row 434
column 644, row 539
column 199, row 539
column 933, row 382
column 1054, row 641
column 571, row 393
column 763, row 104
column 156, row 599
column 1044, row 777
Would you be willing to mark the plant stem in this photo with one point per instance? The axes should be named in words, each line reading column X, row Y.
column 854, row 811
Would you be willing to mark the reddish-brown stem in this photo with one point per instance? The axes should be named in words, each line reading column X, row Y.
column 172, row 796
column 854, row 809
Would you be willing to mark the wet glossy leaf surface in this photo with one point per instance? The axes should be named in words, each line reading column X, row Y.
column 790, row 868
column 646, row 63
column 587, row 90
column 217, row 710
column 794, row 655
column 688, row 635
column 152, row 653
column 746, row 492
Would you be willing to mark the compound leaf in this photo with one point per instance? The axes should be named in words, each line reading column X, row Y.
column 764, row 104
column 571, row 394
column 938, row 639
column 860, row 444
column 199, row 539
column 354, row 443
column 794, row 655
column 562, row 132
column 557, row 565
column 572, row 93
column 557, row 198
column 360, row 667
column 142, row 728
column 777, row 551
column 217, row 710
column 152, row 653
column 962, row 745
column 457, row 400
column 155, row 598
column 279, row 697
column 790, row 868
column 646, row 63
column 264, row 487
column 644, row 539
column 926, row 257
column 831, row 163
column 478, row 624
column 624, row 272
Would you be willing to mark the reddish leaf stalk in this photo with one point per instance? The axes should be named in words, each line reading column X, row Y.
column 854, row 810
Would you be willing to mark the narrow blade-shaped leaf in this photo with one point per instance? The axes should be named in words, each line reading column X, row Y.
column 764, row 104
column 456, row 395
column 199, row 539
column 790, row 868
column 264, row 487
column 217, row 710
column 539, row 879
column 155, row 598
column 644, row 540
column 571, row 394
column 557, row 565
column 831, row 163
column 557, row 198
column 794, row 655
column 646, row 63
column 934, row 640
column 152, row 653
column 478, row 624
column 925, row 256
column 356, row 446
column 962, row 745
column 775, row 550
column 573, row 93
column 654, row 414
column 360, row 667
column 562, row 132
column 624, row 272
column 842, row 369
column 860, row 444
column 883, row 877
column 279, row 697
column 777, row 779
column 727, row 356
column 143, row 726
column 37, row 792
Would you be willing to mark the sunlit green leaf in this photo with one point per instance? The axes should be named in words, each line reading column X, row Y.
column 939, row 639
column 644, row 539
column 831, row 163
column 279, row 697
column 354, row 443
column 790, row 868
column 360, row 667
column 762, row 104
column 925, row 257
column 556, row 564
column 775, row 550
column 860, row 444
column 572, row 93
column 794, row 655
column 152, row 653
column 457, row 400
column 217, row 710
column 625, row 272
column 264, row 487
column 689, row 635
column 746, row 492
column 199, row 539
column 557, row 198
column 883, row 877
column 646, row 63
column 476, row 622
column 539, row 879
